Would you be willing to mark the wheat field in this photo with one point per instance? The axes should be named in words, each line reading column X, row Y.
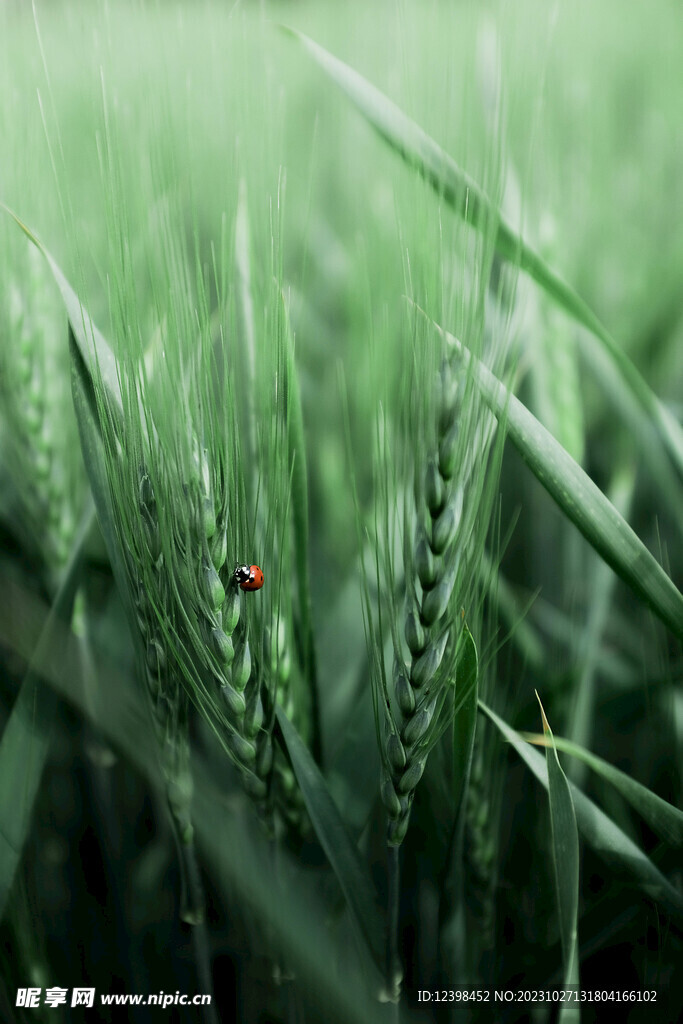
column 341, row 477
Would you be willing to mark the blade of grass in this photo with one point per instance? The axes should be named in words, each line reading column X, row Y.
column 465, row 719
column 663, row 818
column 639, row 429
column 468, row 200
column 601, row 586
column 26, row 738
column 599, row 831
column 355, row 882
column 94, row 458
column 95, row 351
column 576, row 494
column 565, row 847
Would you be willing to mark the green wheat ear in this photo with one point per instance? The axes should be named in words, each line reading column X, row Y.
column 451, row 473
column 39, row 434
column 189, row 613
column 439, row 523
column 183, row 521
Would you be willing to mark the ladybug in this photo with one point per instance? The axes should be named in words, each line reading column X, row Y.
column 248, row 577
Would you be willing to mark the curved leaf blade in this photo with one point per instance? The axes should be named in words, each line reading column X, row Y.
column 95, row 350
column 465, row 718
column 94, row 459
column 565, row 846
column 599, row 831
column 355, row 882
column 576, row 495
column 468, row 200
column 663, row 818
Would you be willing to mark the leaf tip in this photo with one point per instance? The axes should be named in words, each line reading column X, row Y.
column 546, row 727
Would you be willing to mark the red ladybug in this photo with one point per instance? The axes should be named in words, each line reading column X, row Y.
column 249, row 577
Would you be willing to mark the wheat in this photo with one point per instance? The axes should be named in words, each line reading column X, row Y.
column 39, row 429
column 447, row 496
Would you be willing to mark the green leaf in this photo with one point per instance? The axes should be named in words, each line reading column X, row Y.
column 599, row 831
column 565, row 862
column 468, row 200
column 576, row 494
column 26, row 739
column 356, row 884
column 663, row 818
column 465, row 719
column 600, row 586
column 94, row 458
column 95, row 351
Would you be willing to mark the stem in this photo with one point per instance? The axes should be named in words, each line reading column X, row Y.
column 200, row 942
column 393, row 967
column 283, row 975
column 192, row 890
column 192, row 911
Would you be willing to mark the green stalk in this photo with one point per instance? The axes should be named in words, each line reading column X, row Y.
column 202, row 952
column 393, row 966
